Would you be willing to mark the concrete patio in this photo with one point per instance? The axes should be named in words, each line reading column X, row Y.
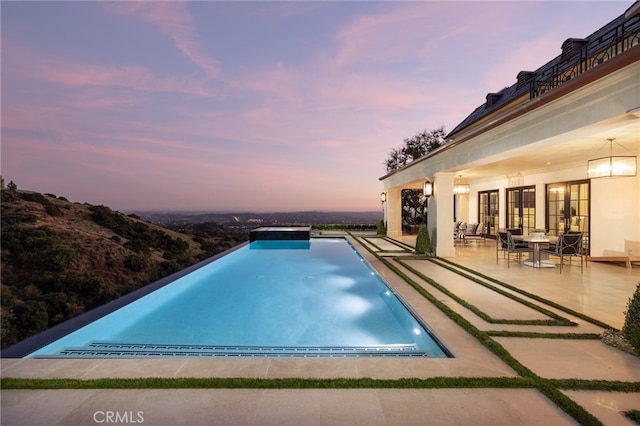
column 601, row 293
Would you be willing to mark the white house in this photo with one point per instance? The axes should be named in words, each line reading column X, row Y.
column 526, row 152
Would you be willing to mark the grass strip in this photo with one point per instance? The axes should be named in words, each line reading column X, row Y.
column 284, row 383
column 473, row 278
column 407, row 247
column 399, row 250
column 596, row 385
column 569, row 406
column 545, row 386
column 481, row 336
column 557, row 321
column 534, row 335
column 531, row 295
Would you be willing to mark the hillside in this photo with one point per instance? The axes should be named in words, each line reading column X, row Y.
column 60, row 258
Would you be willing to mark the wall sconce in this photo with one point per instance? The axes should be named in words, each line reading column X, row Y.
column 461, row 188
column 427, row 189
column 383, row 197
column 612, row 166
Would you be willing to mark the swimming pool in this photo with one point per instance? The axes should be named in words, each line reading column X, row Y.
column 307, row 298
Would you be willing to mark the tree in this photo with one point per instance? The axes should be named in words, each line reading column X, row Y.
column 423, row 241
column 415, row 147
column 413, row 202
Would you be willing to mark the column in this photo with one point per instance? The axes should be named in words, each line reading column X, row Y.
column 441, row 215
column 393, row 212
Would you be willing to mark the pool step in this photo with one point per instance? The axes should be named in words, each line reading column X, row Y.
column 146, row 350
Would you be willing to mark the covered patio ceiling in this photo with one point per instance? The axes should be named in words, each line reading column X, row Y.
column 562, row 151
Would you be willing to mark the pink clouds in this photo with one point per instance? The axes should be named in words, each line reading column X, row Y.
column 300, row 120
column 29, row 62
column 173, row 19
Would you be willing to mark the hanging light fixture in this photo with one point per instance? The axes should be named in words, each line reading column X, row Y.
column 461, row 188
column 427, row 189
column 612, row 166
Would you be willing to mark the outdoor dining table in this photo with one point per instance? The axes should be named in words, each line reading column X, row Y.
column 535, row 260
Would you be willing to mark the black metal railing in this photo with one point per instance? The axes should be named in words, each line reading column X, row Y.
column 590, row 53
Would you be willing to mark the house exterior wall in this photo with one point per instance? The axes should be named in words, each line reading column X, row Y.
column 587, row 106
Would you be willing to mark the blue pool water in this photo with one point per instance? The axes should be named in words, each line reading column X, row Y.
column 268, row 298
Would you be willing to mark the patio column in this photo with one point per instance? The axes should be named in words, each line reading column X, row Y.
column 393, row 212
column 440, row 217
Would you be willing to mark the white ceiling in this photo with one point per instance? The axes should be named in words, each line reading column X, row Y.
column 563, row 151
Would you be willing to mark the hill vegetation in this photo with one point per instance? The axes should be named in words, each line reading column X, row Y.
column 60, row 258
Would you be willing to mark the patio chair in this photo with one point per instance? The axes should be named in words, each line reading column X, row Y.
column 516, row 247
column 515, row 231
column 501, row 244
column 568, row 245
column 585, row 244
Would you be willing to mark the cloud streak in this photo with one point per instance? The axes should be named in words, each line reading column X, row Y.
column 174, row 21
column 295, row 110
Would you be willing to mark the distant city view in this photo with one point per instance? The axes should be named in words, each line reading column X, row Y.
column 253, row 220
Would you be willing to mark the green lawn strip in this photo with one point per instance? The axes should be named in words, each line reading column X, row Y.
column 399, row 250
column 557, row 321
column 534, row 335
column 406, row 247
column 568, row 405
column 596, row 385
column 531, row 295
column 543, row 385
column 284, row 383
column 368, row 241
column 481, row 336
column 565, row 321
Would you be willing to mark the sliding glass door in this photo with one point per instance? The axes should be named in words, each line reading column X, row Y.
column 521, row 208
column 488, row 211
column 568, row 208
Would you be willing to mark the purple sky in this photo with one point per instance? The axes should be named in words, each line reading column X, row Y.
column 252, row 106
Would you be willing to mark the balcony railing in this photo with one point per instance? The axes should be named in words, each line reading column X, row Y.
column 580, row 56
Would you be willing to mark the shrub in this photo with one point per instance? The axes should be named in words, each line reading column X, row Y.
column 58, row 258
column 633, row 415
column 52, row 209
column 135, row 263
column 381, row 228
column 423, row 241
column 631, row 328
column 32, row 316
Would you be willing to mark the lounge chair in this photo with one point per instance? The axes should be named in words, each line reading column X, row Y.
column 475, row 233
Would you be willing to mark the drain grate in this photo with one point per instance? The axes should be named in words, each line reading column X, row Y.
column 146, row 350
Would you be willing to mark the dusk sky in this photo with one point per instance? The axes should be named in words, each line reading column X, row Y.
column 252, row 106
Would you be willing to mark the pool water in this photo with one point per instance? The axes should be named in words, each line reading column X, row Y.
column 268, row 298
